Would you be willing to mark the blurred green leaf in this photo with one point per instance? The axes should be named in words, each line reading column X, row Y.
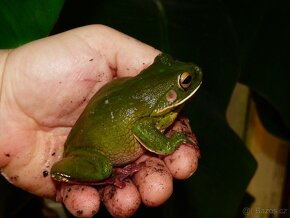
column 24, row 21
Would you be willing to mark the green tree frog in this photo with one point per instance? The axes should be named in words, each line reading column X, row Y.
column 125, row 118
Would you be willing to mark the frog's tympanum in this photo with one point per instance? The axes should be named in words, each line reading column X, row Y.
column 127, row 117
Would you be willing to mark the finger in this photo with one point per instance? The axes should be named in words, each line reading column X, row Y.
column 80, row 200
column 154, row 181
column 121, row 202
column 183, row 162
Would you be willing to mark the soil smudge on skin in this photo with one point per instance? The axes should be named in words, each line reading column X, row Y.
column 45, row 173
column 79, row 212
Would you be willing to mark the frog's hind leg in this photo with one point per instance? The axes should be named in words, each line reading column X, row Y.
column 87, row 168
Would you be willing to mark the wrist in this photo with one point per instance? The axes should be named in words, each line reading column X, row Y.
column 3, row 58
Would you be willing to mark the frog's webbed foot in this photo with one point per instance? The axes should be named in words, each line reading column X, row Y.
column 120, row 174
column 128, row 170
column 181, row 125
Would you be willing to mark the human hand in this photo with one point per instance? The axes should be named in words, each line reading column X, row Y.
column 45, row 85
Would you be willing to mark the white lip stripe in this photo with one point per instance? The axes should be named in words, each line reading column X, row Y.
column 179, row 103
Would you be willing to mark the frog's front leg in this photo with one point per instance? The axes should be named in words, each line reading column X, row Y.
column 153, row 140
column 78, row 167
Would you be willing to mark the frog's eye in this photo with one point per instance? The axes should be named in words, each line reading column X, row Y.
column 184, row 80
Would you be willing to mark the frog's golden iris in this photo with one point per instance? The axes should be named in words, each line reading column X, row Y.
column 184, row 80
